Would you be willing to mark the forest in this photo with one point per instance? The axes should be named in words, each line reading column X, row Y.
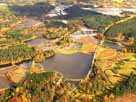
column 16, row 53
column 125, row 28
column 99, row 21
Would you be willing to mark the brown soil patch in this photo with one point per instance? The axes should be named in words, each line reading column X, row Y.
column 16, row 75
column 88, row 39
column 90, row 48
column 129, row 97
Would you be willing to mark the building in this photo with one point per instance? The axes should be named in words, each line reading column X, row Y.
column 83, row 32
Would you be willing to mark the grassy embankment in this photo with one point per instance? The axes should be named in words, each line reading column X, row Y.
column 86, row 48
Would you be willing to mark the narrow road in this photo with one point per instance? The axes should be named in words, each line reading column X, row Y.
column 102, row 41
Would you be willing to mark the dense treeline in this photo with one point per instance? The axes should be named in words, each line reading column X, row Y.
column 36, row 1
column 40, row 56
column 52, row 86
column 56, row 24
column 54, row 33
column 39, row 8
column 17, row 35
column 98, row 21
column 96, row 85
column 16, row 53
column 42, row 87
column 126, row 28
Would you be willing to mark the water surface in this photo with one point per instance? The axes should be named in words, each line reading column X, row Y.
column 72, row 66
column 38, row 41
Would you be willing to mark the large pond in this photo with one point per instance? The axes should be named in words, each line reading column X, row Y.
column 71, row 66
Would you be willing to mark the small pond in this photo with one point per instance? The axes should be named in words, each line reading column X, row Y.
column 37, row 41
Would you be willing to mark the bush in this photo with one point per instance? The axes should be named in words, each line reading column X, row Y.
column 56, row 24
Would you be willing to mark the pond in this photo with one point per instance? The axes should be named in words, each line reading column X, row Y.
column 72, row 66
column 37, row 41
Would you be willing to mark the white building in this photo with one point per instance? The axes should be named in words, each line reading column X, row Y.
column 59, row 10
column 84, row 32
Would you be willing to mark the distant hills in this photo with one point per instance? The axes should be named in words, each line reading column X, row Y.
column 99, row 3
